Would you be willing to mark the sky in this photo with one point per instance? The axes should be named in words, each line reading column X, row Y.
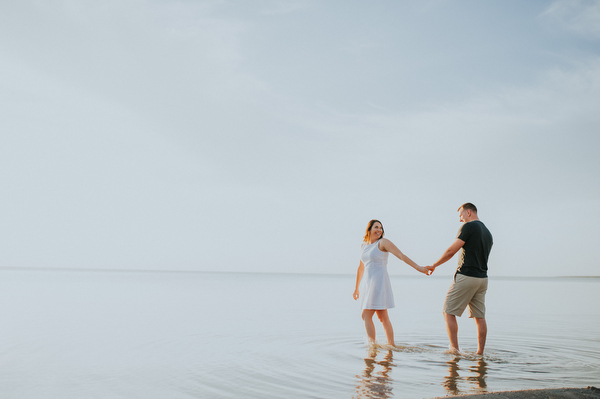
column 262, row 136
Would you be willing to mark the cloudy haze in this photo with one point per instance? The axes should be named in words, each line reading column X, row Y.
column 264, row 135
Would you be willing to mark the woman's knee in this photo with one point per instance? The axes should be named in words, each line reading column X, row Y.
column 367, row 314
column 383, row 316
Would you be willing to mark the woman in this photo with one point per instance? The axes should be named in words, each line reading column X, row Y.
column 378, row 296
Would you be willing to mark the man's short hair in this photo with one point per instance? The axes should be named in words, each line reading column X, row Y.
column 468, row 207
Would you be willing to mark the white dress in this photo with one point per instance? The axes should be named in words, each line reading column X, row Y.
column 377, row 288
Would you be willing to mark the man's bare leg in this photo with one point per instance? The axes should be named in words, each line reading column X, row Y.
column 452, row 328
column 481, row 334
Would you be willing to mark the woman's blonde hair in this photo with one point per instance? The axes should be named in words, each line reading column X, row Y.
column 367, row 237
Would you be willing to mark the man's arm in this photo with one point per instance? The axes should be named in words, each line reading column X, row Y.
column 452, row 249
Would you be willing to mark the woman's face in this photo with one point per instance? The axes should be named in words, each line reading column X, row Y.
column 376, row 231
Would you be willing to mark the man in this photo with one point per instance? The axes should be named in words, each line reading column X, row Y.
column 470, row 280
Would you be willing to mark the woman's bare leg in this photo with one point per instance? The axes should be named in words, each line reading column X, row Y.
column 367, row 316
column 387, row 325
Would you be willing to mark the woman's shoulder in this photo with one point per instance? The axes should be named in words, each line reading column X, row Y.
column 384, row 244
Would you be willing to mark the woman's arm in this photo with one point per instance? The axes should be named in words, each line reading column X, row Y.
column 388, row 246
column 359, row 274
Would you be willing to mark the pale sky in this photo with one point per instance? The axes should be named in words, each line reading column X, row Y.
column 262, row 136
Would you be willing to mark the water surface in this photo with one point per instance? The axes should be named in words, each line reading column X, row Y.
column 69, row 334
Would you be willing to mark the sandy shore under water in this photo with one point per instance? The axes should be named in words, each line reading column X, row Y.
column 560, row 393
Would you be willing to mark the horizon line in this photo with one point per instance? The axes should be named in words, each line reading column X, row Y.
column 96, row 270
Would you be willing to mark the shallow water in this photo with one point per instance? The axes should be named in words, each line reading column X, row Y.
column 69, row 334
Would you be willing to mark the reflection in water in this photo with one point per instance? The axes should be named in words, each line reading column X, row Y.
column 477, row 379
column 375, row 381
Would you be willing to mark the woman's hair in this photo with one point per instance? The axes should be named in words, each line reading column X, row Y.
column 369, row 227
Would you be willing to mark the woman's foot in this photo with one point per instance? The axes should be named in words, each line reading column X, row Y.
column 453, row 351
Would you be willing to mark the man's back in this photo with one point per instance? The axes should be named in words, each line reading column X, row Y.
column 474, row 254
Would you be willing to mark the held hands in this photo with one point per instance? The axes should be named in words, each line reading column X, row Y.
column 430, row 270
column 422, row 269
column 427, row 270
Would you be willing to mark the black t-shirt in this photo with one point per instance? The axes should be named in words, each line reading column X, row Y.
column 474, row 254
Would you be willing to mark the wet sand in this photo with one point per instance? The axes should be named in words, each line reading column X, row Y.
column 560, row 393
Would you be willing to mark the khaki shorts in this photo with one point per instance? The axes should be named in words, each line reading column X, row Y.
column 466, row 290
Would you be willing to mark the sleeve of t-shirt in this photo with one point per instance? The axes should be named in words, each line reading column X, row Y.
column 464, row 232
